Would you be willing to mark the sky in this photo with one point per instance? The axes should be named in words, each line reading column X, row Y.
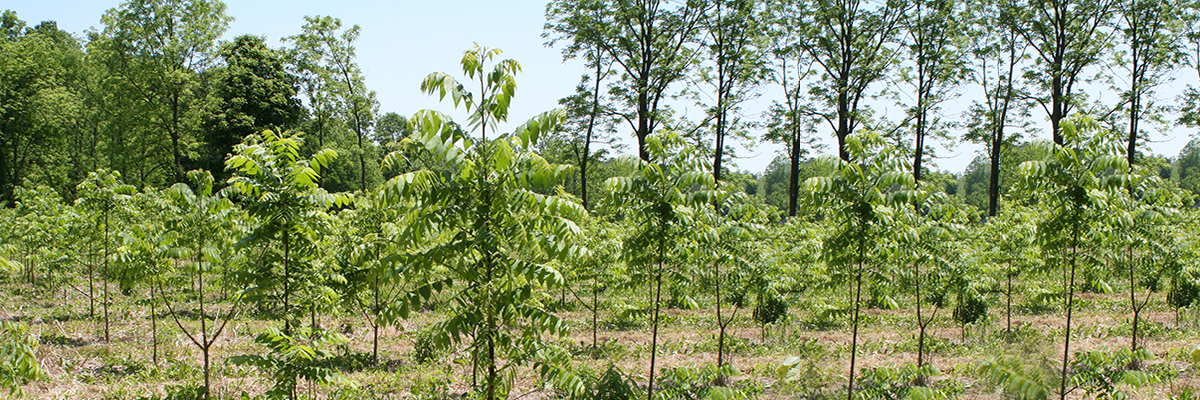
column 403, row 41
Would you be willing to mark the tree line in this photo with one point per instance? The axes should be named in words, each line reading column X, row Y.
column 154, row 93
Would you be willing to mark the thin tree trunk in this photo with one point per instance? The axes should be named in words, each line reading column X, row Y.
column 1070, row 302
column 154, row 325
column 104, row 278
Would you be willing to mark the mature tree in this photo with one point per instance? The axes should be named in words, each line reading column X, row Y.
column 1067, row 37
column 934, row 41
column 251, row 92
column 325, row 54
column 38, row 103
column 1186, row 171
column 731, row 29
column 647, row 39
column 791, row 121
column 589, row 117
column 997, row 50
column 848, row 40
column 390, row 129
column 153, row 49
column 586, row 124
column 1152, row 33
column 496, row 235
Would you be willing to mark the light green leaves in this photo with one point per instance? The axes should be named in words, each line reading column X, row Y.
column 18, row 357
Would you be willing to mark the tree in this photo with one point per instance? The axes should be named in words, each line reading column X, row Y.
column 496, row 234
column 859, row 197
column 289, row 212
column 791, row 121
column 154, row 49
column 325, row 54
column 1066, row 36
column 935, row 43
column 1075, row 183
column 574, row 21
column 104, row 194
column 997, row 51
column 371, row 256
column 390, row 129
column 19, row 364
column 847, row 39
column 1186, row 171
column 660, row 199
column 586, row 123
column 206, row 225
column 931, row 234
column 732, row 30
column 40, row 103
column 251, row 92
column 734, row 239
column 1153, row 36
column 647, row 39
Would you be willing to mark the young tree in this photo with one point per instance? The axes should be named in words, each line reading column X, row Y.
column 659, row 199
column 104, row 194
column 1141, row 236
column 931, row 236
column 289, row 212
column 860, row 198
column 371, row 257
column 1075, row 183
column 486, row 222
column 207, row 226
column 732, row 241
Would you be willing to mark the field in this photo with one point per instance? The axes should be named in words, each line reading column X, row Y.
column 81, row 365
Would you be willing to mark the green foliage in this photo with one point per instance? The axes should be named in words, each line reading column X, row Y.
column 18, row 358
column 251, row 92
column 1103, row 374
column 770, row 309
column 1017, row 379
column 707, row 382
column 290, row 218
column 39, row 73
column 970, row 309
column 860, row 198
column 295, row 357
column 908, row 382
column 491, row 233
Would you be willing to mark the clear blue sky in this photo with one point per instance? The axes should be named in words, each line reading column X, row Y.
column 403, row 41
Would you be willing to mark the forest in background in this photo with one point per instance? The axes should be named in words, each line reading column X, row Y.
column 154, row 92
